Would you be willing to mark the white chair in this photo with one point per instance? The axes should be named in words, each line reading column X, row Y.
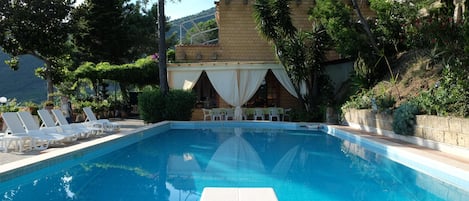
column 207, row 113
column 229, row 113
column 35, row 140
column 259, row 113
column 107, row 125
column 245, row 114
column 273, row 113
column 62, row 121
column 217, row 114
column 32, row 125
column 48, row 122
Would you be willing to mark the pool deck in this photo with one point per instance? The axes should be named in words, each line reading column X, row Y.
column 129, row 125
column 455, row 160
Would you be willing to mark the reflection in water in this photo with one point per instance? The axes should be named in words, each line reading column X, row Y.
column 66, row 181
column 178, row 165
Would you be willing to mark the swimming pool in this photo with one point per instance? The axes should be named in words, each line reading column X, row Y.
column 177, row 160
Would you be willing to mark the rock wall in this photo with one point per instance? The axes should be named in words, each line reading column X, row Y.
column 448, row 130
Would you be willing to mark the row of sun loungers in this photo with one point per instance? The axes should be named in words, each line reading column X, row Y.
column 24, row 133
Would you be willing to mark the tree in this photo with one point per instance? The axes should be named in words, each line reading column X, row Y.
column 302, row 53
column 162, row 47
column 101, row 35
column 37, row 27
column 115, row 31
column 163, row 72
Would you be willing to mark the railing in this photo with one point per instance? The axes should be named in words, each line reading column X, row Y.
column 183, row 28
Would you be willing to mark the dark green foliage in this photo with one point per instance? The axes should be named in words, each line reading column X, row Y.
column 301, row 52
column 143, row 72
column 101, row 34
column 450, row 95
column 34, row 27
column 177, row 105
column 388, row 25
column 39, row 28
column 367, row 99
column 299, row 115
column 114, row 31
column 335, row 16
column 151, row 106
column 404, row 119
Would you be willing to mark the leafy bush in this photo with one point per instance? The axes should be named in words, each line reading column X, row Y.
column 10, row 106
column 179, row 105
column 369, row 99
column 449, row 96
column 404, row 118
column 297, row 115
column 176, row 105
column 151, row 106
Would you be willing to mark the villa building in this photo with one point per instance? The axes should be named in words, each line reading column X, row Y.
column 241, row 70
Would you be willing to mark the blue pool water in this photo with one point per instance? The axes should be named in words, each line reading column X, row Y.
column 177, row 164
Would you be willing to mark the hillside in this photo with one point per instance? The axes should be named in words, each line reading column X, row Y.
column 413, row 75
column 23, row 84
column 187, row 24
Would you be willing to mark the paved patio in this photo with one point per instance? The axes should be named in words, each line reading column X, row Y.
column 127, row 125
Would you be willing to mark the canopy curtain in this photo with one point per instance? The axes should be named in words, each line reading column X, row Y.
column 225, row 83
column 183, row 79
column 236, row 86
column 283, row 78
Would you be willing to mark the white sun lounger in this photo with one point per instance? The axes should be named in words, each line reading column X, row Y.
column 9, row 138
column 32, row 126
column 62, row 121
column 107, row 125
column 35, row 140
column 48, row 122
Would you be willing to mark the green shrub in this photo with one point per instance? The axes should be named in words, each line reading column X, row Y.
column 151, row 106
column 404, row 119
column 361, row 100
column 10, row 106
column 176, row 105
column 179, row 105
column 449, row 96
column 297, row 115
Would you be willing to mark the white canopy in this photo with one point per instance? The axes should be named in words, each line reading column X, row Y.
column 236, row 83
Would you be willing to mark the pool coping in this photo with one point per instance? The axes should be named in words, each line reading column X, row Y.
column 440, row 165
column 22, row 166
column 425, row 160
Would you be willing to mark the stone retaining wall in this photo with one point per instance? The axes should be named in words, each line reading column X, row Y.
column 448, row 130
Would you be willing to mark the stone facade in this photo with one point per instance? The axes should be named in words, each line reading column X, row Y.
column 239, row 40
column 447, row 130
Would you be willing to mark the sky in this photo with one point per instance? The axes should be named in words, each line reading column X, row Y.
column 176, row 9
column 184, row 8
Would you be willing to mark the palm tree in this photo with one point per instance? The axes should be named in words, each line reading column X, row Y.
column 164, row 88
column 300, row 52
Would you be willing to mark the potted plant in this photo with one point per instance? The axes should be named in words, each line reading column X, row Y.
column 32, row 107
column 48, row 105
